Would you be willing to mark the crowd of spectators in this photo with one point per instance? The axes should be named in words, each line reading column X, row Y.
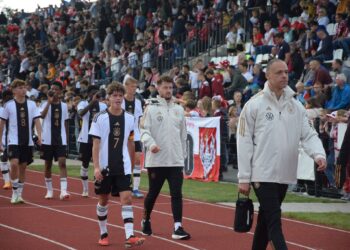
column 80, row 44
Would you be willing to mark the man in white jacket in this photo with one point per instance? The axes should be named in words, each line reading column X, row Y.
column 270, row 128
column 163, row 133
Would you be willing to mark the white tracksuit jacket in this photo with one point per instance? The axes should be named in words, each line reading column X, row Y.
column 164, row 124
column 268, row 137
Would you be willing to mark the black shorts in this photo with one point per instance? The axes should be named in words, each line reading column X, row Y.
column 50, row 152
column 4, row 156
column 113, row 184
column 24, row 154
column 138, row 147
column 85, row 152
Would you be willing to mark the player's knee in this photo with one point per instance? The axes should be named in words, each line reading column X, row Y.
column 126, row 200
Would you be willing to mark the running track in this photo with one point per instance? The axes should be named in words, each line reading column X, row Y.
column 55, row 224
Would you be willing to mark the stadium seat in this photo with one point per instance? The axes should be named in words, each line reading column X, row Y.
column 337, row 54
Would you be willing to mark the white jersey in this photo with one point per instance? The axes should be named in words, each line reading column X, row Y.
column 114, row 133
column 87, row 118
column 4, row 131
column 21, row 119
column 135, row 108
column 53, row 125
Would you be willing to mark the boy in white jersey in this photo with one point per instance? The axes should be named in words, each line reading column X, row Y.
column 4, row 166
column 113, row 131
column 54, row 142
column 87, row 109
column 21, row 114
column 134, row 106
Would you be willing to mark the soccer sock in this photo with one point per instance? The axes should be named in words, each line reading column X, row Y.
column 128, row 218
column 177, row 225
column 48, row 183
column 5, row 171
column 20, row 188
column 136, row 177
column 63, row 184
column 84, row 178
column 15, row 186
column 102, row 218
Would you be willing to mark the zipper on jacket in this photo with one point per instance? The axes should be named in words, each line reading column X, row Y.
column 280, row 113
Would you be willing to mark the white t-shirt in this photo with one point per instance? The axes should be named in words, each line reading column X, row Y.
column 248, row 76
column 269, row 35
column 193, row 77
column 84, row 132
column 28, row 112
column 101, row 128
column 47, row 127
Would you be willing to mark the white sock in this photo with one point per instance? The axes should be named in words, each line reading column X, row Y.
column 48, row 183
column 5, row 171
column 20, row 188
column 177, row 225
column 14, row 186
column 136, row 177
column 84, row 178
column 63, row 184
column 128, row 217
column 102, row 218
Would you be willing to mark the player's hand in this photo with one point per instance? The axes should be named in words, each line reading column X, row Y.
column 50, row 99
column 244, row 188
column 155, row 149
column 98, row 175
column 322, row 164
column 39, row 141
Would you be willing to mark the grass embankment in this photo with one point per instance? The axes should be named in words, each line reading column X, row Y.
column 227, row 192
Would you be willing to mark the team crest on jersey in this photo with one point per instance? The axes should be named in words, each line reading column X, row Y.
column 207, row 149
column 57, row 114
column 22, row 114
column 291, row 110
column 269, row 116
column 116, row 131
column 160, row 118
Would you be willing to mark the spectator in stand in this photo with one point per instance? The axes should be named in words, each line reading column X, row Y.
column 191, row 108
column 340, row 94
column 288, row 33
column 325, row 47
column 108, row 43
column 282, row 21
column 205, row 88
column 309, row 41
column 322, row 18
column 238, row 82
column 268, row 42
column 257, row 37
column 224, row 136
column 282, row 47
column 321, row 73
column 204, row 106
column 243, row 68
column 216, row 82
column 231, row 38
column 341, row 34
column 338, row 66
column 317, row 93
column 300, row 93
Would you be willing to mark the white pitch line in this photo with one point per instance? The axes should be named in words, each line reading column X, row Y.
column 230, row 208
column 37, row 236
column 95, row 221
column 168, row 214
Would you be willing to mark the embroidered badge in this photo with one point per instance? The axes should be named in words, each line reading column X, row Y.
column 269, row 116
